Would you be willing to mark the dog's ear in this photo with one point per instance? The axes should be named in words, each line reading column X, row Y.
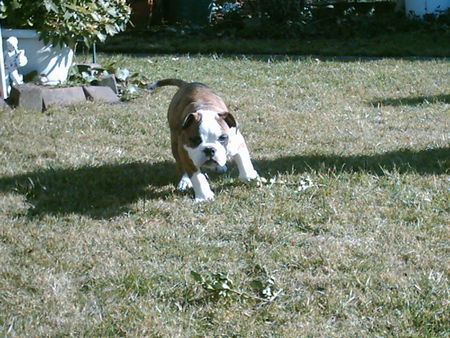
column 189, row 119
column 229, row 119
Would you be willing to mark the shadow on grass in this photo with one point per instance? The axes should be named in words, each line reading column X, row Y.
column 99, row 192
column 423, row 162
column 412, row 101
column 105, row 191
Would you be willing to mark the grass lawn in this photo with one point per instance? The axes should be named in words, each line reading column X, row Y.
column 349, row 236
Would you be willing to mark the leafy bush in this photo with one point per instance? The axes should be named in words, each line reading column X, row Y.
column 294, row 19
column 67, row 21
column 276, row 10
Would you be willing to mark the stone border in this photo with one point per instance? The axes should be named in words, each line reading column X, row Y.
column 36, row 98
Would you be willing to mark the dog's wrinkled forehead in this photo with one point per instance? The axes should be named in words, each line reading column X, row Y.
column 208, row 126
column 211, row 127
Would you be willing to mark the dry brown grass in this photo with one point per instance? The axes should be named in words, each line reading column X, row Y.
column 348, row 237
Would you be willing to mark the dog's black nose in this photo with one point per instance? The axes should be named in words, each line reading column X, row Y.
column 209, row 151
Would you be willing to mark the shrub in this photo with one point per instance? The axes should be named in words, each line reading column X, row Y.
column 67, row 21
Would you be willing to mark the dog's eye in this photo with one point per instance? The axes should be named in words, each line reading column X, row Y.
column 196, row 140
column 223, row 138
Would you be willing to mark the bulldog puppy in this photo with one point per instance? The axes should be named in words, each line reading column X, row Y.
column 203, row 135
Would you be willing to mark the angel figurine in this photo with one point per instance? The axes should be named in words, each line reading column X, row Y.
column 14, row 59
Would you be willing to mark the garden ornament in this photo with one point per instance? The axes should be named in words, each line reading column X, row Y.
column 14, row 59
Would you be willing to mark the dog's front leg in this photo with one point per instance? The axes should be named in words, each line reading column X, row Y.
column 243, row 161
column 192, row 177
column 245, row 166
column 201, row 187
column 185, row 183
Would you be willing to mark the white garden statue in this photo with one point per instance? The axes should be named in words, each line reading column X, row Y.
column 14, row 59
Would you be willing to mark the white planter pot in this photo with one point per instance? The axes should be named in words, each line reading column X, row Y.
column 51, row 63
column 422, row 7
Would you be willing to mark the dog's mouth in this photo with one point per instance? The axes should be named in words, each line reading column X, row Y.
column 210, row 163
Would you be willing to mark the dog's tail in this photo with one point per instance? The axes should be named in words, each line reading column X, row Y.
column 166, row 82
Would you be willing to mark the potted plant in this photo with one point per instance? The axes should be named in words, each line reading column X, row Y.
column 57, row 26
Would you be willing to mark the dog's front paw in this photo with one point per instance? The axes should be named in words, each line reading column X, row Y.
column 205, row 197
column 185, row 183
column 201, row 187
column 249, row 176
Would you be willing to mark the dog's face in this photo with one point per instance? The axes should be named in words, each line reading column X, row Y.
column 206, row 135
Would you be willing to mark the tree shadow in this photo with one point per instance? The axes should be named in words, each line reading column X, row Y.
column 99, row 192
column 423, row 162
column 412, row 101
column 106, row 191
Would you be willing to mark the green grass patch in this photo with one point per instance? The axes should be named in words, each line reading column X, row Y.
column 348, row 235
